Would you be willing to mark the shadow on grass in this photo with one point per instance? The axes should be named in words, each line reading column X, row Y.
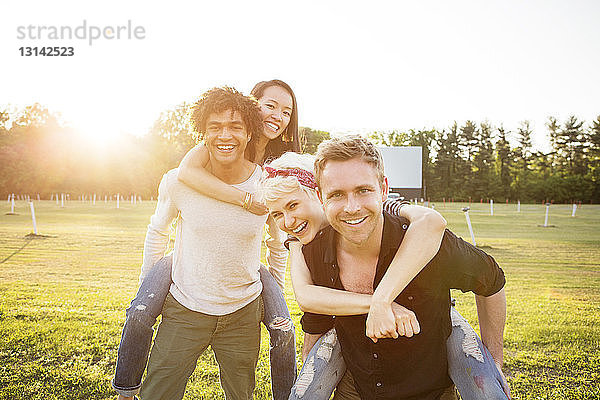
column 29, row 237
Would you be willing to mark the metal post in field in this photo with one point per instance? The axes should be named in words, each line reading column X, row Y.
column 574, row 209
column 62, row 199
column 491, row 207
column 546, row 218
column 33, row 218
column 12, row 204
column 518, row 205
column 466, row 211
column 118, row 196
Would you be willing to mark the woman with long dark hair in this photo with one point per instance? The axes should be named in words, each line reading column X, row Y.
column 279, row 111
column 280, row 134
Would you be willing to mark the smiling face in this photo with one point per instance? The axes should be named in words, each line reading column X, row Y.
column 298, row 213
column 352, row 197
column 226, row 136
column 276, row 107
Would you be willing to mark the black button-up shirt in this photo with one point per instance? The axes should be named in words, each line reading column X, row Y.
column 403, row 368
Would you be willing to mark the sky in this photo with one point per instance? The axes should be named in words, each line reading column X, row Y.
column 355, row 66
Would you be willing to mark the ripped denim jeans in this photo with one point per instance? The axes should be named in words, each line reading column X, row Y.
column 147, row 305
column 470, row 366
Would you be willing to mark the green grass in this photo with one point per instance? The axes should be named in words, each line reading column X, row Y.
column 62, row 298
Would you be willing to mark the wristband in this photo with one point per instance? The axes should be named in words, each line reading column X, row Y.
column 247, row 201
column 393, row 206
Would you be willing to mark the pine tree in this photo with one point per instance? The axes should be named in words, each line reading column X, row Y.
column 504, row 164
column 425, row 139
column 483, row 160
column 523, row 150
column 468, row 144
column 593, row 139
column 554, row 133
column 573, row 145
column 449, row 166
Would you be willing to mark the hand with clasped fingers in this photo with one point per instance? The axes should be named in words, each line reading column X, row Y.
column 387, row 320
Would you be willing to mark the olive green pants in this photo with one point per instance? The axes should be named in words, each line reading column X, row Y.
column 182, row 337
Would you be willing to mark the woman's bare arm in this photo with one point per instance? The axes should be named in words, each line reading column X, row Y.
column 321, row 299
column 420, row 244
column 192, row 172
column 276, row 252
column 327, row 301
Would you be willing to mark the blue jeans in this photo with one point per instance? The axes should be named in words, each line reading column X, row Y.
column 470, row 366
column 147, row 306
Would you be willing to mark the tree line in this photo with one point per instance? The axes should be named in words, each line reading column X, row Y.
column 479, row 161
column 41, row 155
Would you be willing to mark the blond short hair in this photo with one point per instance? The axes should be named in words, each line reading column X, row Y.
column 276, row 187
column 346, row 148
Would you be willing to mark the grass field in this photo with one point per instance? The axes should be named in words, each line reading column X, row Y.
column 63, row 298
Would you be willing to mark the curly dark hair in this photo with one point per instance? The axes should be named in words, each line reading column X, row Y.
column 219, row 99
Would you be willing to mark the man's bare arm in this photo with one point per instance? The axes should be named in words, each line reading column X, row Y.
column 491, row 312
column 320, row 299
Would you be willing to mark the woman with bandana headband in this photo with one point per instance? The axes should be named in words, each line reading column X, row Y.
column 289, row 189
column 280, row 118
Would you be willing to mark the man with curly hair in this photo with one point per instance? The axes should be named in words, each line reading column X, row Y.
column 214, row 298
